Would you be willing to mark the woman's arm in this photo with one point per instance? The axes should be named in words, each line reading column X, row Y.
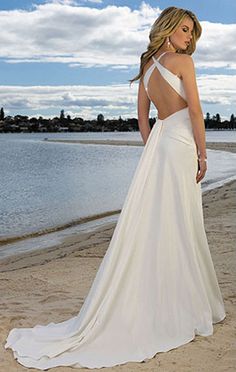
column 143, row 112
column 190, row 86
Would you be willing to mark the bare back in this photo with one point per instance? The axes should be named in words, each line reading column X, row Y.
column 159, row 77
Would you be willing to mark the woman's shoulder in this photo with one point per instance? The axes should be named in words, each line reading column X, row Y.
column 176, row 60
column 180, row 61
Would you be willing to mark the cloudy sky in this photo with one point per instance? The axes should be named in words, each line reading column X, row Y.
column 79, row 55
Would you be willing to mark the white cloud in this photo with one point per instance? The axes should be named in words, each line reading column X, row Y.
column 89, row 100
column 216, row 46
column 218, row 89
column 112, row 100
column 64, row 2
column 93, row 1
column 113, row 37
column 62, row 31
column 56, row 32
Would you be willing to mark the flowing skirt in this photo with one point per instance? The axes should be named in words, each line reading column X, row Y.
column 156, row 287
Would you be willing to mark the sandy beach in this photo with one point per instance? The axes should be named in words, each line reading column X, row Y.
column 50, row 285
column 222, row 146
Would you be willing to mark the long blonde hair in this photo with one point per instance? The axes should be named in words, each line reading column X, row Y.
column 166, row 24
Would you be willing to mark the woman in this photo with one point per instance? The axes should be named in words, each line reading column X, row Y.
column 156, row 287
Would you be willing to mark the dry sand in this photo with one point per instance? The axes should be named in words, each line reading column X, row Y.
column 50, row 286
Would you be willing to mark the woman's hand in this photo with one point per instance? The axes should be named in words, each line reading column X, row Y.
column 202, row 168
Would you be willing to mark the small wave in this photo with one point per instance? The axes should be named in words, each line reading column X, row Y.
column 206, row 186
column 14, row 238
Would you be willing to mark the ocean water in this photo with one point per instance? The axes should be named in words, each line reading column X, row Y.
column 47, row 186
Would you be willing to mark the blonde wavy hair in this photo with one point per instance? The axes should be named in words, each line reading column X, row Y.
column 165, row 25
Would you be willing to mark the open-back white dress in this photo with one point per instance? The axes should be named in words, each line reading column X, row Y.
column 156, row 287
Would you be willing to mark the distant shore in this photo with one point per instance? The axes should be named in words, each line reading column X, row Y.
column 221, row 146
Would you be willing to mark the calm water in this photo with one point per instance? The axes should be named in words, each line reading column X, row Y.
column 45, row 185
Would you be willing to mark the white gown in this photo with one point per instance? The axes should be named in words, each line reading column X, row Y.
column 156, row 287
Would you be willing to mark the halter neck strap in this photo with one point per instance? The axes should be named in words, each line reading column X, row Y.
column 159, row 56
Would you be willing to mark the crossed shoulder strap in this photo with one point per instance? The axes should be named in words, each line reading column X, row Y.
column 174, row 81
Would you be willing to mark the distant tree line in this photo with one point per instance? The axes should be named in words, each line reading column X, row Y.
column 64, row 123
column 215, row 122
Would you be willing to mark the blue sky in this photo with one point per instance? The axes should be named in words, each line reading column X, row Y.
column 212, row 10
column 79, row 55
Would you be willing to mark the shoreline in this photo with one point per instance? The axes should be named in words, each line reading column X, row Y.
column 82, row 240
column 17, row 247
column 51, row 286
column 222, row 146
column 53, row 234
column 54, row 229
